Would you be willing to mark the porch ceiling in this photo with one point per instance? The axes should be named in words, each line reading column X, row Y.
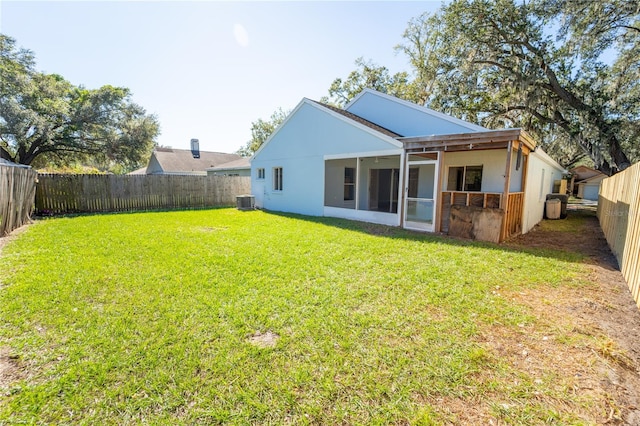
column 491, row 139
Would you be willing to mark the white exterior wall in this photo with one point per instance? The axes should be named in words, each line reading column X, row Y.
column 299, row 146
column 493, row 164
column 406, row 119
column 541, row 172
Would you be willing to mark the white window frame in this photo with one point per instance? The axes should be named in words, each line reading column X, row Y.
column 260, row 173
column 277, row 179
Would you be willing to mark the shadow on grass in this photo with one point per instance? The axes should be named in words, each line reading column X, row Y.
column 45, row 215
column 578, row 238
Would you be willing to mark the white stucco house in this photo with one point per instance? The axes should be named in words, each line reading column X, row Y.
column 388, row 161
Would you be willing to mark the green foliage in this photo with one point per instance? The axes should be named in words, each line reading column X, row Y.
column 149, row 318
column 498, row 63
column 372, row 76
column 45, row 120
column 261, row 130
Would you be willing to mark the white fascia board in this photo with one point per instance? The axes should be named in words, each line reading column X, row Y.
column 358, row 96
column 383, row 153
column 420, row 108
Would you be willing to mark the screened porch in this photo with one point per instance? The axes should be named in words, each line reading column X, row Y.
column 481, row 181
column 363, row 188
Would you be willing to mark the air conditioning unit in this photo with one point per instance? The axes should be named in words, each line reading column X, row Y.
column 246, row 202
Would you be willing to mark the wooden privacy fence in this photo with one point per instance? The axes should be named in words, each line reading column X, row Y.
column 17, row 191
column 58, row 194
column 619, row 215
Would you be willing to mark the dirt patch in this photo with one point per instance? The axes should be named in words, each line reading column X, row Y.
column 11, row 236
column 602, row 317
column 10, row 370
column 268, row 339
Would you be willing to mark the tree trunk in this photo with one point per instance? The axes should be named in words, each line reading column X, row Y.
column 620, row 159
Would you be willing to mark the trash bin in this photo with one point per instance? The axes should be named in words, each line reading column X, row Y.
column 553, row 208
column 564, row 200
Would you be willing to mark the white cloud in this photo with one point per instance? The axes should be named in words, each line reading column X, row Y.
column 241, row 35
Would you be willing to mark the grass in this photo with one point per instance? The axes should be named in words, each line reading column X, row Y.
column 151, row 318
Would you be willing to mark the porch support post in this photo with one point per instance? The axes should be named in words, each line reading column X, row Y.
column 525, row 166
column 439, row 176
column 357, row 183
column 505, row 194
column 402, row 191
column 525, row 171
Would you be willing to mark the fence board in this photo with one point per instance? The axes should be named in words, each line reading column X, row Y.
column 619, row 216
column 59, row 194
column 17, row 197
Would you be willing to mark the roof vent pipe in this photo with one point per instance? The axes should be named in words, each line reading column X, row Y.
column 195, row 148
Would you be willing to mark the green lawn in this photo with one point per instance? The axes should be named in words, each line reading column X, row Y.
column 153, row 318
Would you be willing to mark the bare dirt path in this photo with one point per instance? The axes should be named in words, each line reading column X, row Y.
column 604, row 310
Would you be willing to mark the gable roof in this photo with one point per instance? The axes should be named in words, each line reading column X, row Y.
column 427, row 116
column 182, row 160
column 352, row 119
column 360, row 120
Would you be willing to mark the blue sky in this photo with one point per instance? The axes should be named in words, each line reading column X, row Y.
column 208, row 69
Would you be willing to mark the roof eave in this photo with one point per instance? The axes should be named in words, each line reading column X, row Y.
column 475, row 138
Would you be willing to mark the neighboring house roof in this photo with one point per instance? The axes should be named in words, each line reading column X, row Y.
column 8, row 163
column 142, row 171
column 182, row 161
column 584, row 172
column 241, row 164
column 592, row 180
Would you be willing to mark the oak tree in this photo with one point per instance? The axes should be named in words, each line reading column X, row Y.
column 45, row 119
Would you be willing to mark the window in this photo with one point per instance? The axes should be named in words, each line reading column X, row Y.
column 277, row 178
column 349, row 183
column 260, row 173
column 465, row 178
